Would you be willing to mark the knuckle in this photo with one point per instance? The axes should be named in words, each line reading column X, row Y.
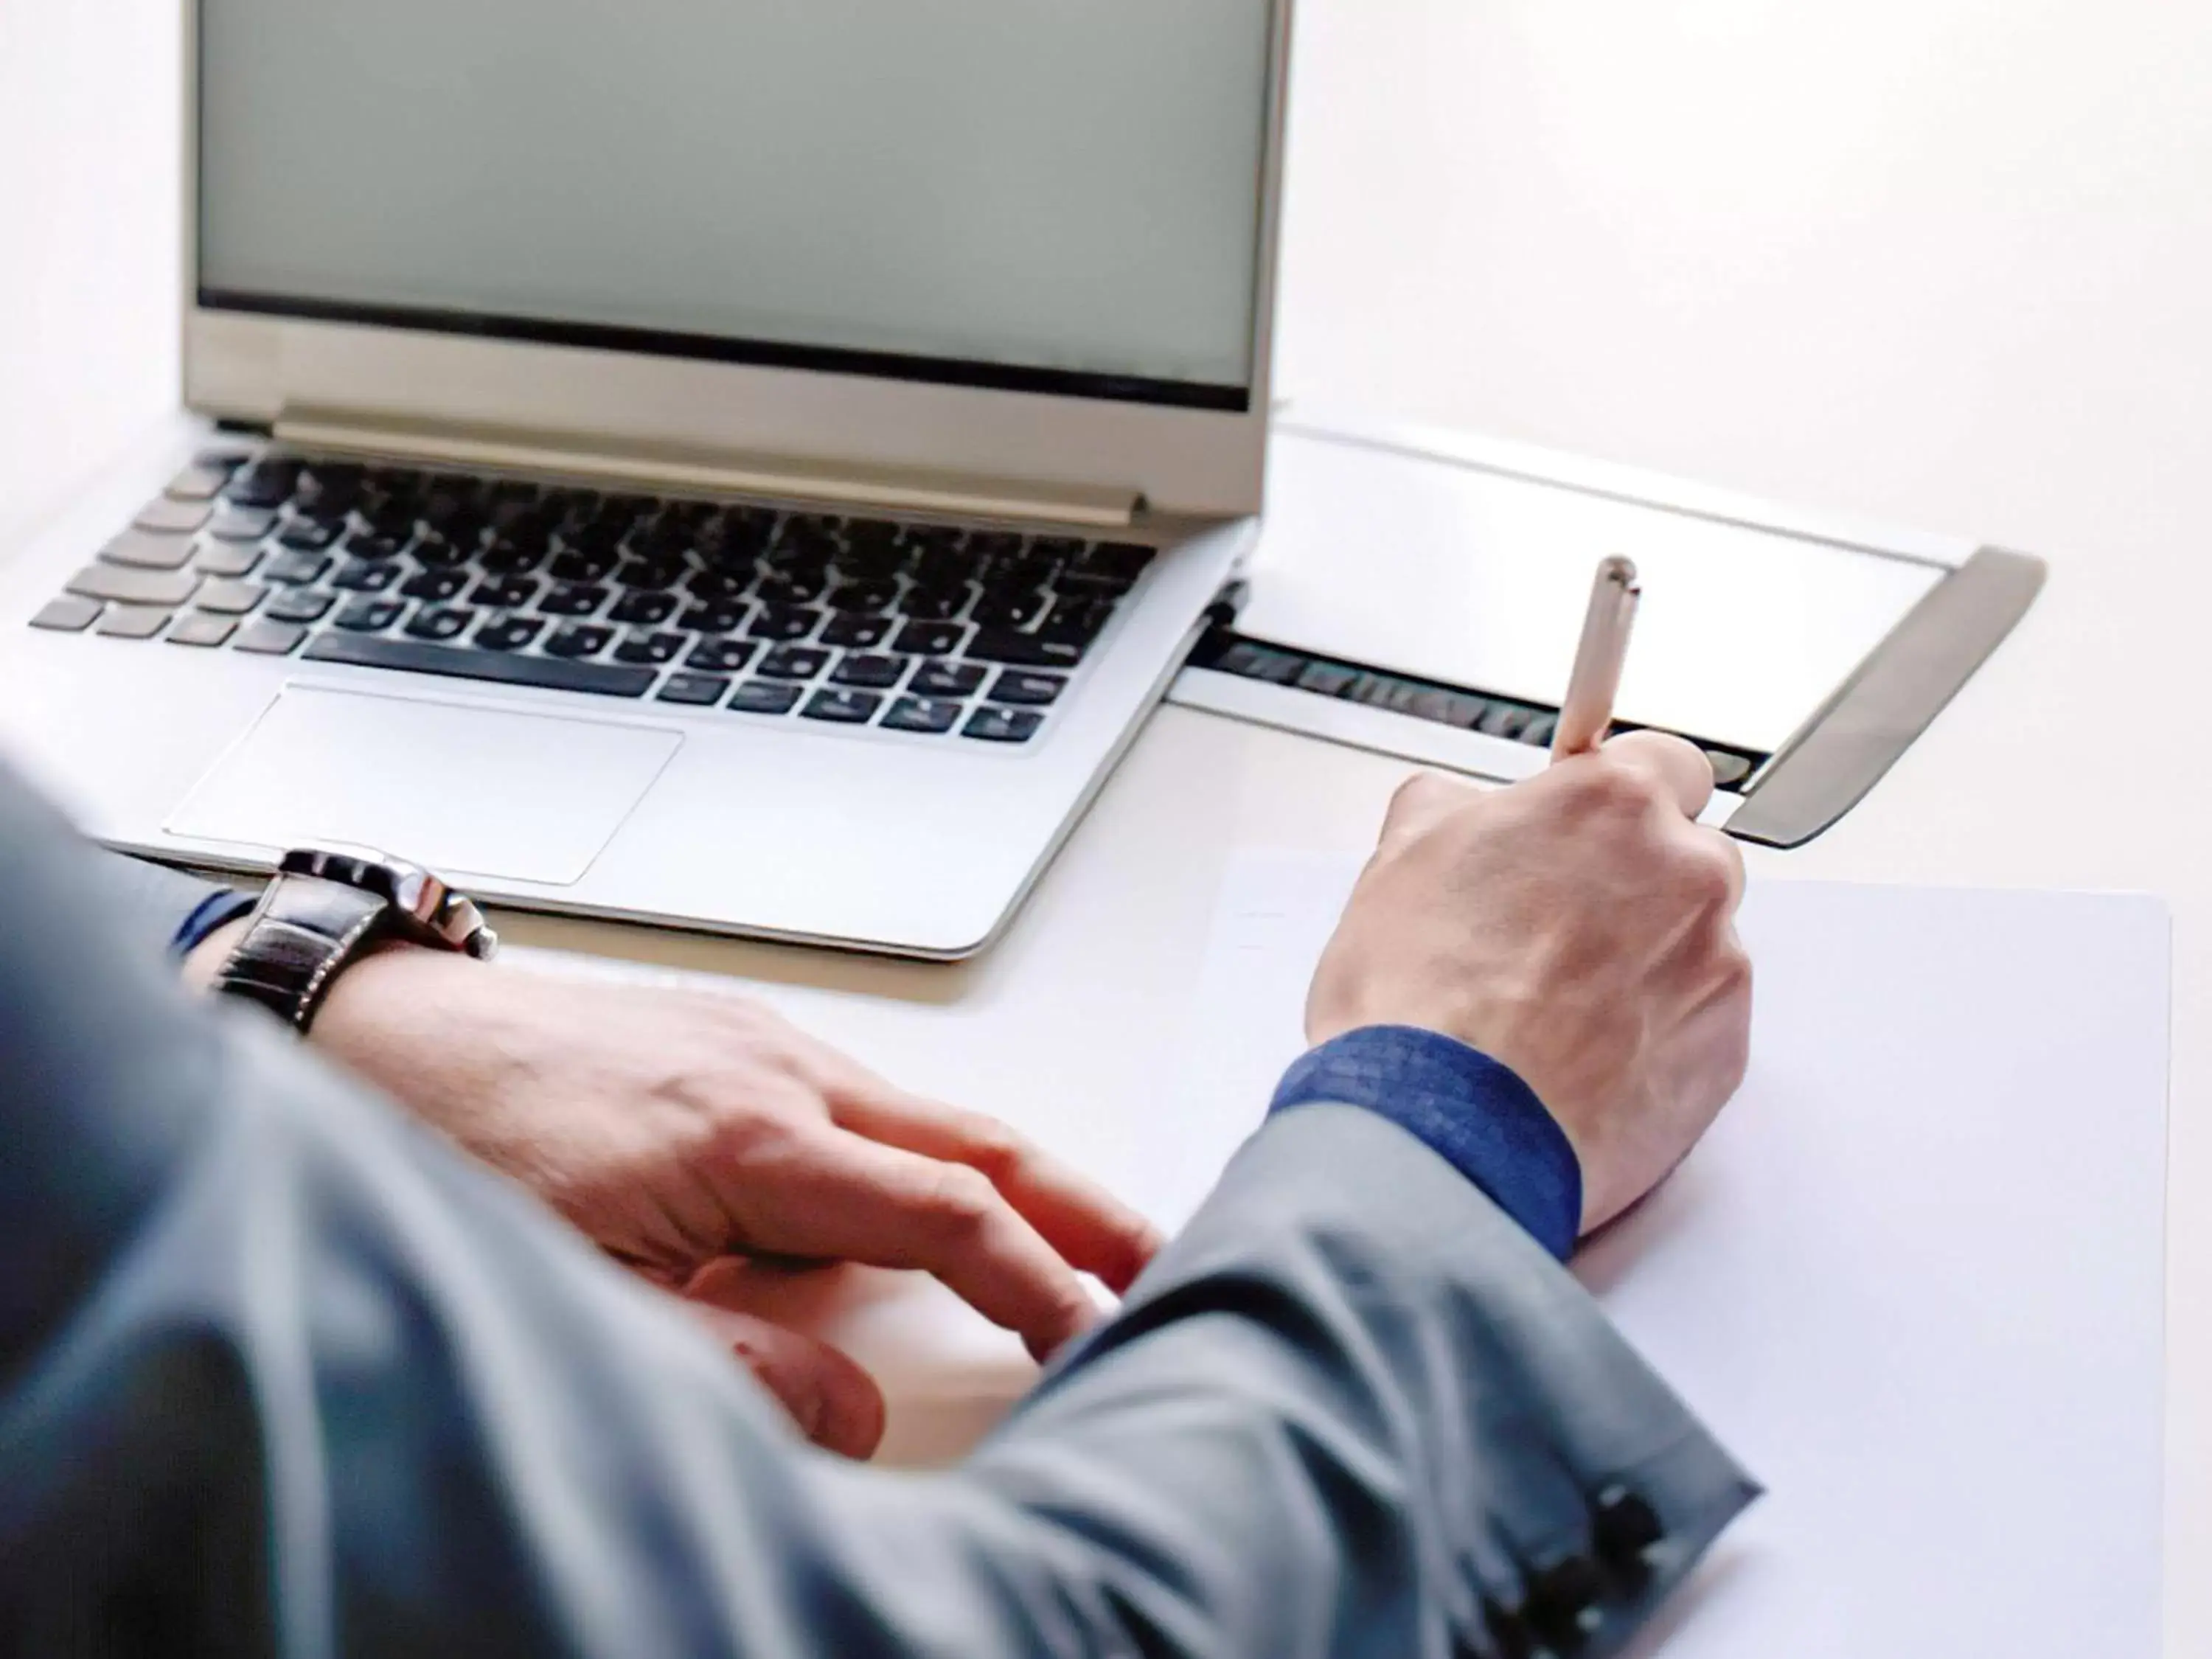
column 1611, row 789
column 994, row 1149
column 957, row 1201
column 1709, row 876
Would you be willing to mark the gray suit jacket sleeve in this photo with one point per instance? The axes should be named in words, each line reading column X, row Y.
column 280, row 1374
column 151, row 899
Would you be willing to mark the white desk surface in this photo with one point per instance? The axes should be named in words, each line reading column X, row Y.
column 1928, row 261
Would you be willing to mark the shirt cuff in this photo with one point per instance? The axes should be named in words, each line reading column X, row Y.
column 210, row 915
column 1472, row 1112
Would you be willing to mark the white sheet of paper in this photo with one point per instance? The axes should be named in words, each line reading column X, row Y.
column 1913, row 1279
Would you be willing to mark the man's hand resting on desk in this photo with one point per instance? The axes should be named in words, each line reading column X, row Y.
column 676, row 1129
column 1578, row 928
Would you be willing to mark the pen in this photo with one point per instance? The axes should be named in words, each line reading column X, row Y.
column 1587, row 714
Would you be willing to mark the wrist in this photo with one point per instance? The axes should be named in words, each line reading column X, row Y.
column 1465, row 1105
column 206, row 959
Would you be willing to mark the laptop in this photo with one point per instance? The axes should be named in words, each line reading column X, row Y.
column 723, row 463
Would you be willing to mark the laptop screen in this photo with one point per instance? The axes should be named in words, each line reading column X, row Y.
column 1060, row 195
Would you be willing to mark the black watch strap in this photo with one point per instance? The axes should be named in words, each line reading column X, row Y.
column 301, row 933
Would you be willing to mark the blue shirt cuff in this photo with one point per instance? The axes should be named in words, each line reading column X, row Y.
column 212, row 913
column 1475, row 1112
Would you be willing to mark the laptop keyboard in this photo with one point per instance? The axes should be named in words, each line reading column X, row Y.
column 921, row 628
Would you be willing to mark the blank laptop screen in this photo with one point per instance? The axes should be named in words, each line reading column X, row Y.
column 1046, row 195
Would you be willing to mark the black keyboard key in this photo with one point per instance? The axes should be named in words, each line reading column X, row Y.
column 694, row 690
column 843, row 708
column 266, row 638
column 871, row 670
column 1010, row 609
column 202, row 628
column 858, row 633
column 226, row 558
column 806, row 538
column 129, row 586
column 643, row 646
column 1002, row 725
column 508, row 558
column 784, row 622
column 947, row 679
column 362, row 577
column 765, row 697
column 368, row 615
column 924, row 714
column 723, row 616
column 265, row 483
column 229, row 598
column 507, row 633
column 67, row 615
column 1027, row 691
column 708, row 586
column 580, row 640
column 720, row 656
column 1117, row 562
column 925, row 639
column 573, row 600
column 298, row 604
column 864, row 597
column 439, row 623
column 435, row 585
column 1059, row 549
column 643, row 610
column 649, row 576
column 143, row 551
column 937, row 604
column 578, row 566
column 795, row 662
column 241, row 524
column 307, row 535
column 1075, row 621
column 800, row 586
column 990, row 546
column 369, row 544
column 296, row 569
column 552, row 673
column 171, row 519
column 225, row 458
column 392, row 519
column 504, row 593
column 996, row 645
column 437, row 551
column 942, row 566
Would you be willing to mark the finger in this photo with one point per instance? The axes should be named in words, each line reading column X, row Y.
column 1724, row 848
column 835, row 1404
column 1092, row 1229
column 1680, row 769
column 840, row 1195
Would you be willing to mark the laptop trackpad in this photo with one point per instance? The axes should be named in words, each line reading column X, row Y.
column 465, row 790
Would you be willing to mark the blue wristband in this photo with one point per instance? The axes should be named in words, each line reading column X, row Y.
column 1475, row 1112
column 211, row 914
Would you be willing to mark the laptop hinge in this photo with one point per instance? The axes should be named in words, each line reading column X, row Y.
column 678, row 467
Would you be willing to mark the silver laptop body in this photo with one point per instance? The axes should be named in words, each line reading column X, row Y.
column 713, row 462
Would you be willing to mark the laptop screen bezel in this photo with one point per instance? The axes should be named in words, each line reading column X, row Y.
column 1184, row 446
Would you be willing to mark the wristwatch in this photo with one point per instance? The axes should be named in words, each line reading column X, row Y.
column 330, row 906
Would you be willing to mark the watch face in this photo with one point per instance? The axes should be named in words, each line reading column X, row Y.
column 426, row 908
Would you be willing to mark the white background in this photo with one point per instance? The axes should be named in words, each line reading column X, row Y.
column 1944, row 262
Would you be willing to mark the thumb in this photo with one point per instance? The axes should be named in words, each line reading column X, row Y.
column 835, row 1404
